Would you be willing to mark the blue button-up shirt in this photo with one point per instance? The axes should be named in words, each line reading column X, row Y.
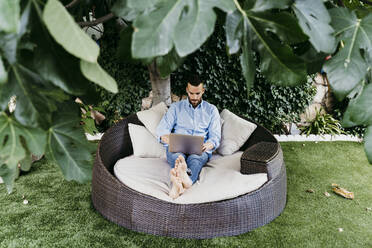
column 183, row 118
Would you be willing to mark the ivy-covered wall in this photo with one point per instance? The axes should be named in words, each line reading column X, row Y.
column 133, row 80
column 225, row 85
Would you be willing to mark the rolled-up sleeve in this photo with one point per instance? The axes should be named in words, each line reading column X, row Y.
column 214, row 129
column 167, row 122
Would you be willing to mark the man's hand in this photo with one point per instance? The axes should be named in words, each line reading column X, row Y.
column 207, row 146
column 165, row 139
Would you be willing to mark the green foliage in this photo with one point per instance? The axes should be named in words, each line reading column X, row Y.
column 323, row 123
column 348, row 67
column 338, row 110
column 267, row 104
column 41, row 49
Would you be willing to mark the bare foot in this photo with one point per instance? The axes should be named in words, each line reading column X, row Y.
column 181, row 172
column 177, row 188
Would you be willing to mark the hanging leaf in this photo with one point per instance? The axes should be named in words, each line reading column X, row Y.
column 9, row 42
column 33, row 108
column 3, row 72
column 234, row 31
column 168, row 63
column 67, row 33
column 276, row 57
column 270, row 31
column 315, row 21
column 9, row 15
column 359, row 110
column 347, row 68
column 53, row 63
column 246, row 58
column 262, row 5
column 67, row 145
column 157, row 32
column 96, row 74
column 195, row 26
column 12, row 148
column 283, row 24
column 130, row 9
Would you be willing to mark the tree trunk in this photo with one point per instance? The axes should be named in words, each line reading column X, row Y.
column 161, row 90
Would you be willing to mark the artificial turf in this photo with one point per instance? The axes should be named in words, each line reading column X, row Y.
column 60, row 213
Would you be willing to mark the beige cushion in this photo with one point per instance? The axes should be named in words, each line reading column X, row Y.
column 219, row 179
column 235, row 132
column 151, row 117
column 144, row 144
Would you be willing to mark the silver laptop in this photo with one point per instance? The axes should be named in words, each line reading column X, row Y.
column 187, row 144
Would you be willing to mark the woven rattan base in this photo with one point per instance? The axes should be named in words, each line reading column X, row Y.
column 136, row 211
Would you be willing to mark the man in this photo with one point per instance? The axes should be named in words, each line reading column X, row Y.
column 191, row 116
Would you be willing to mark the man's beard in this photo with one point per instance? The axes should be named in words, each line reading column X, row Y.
column 195, row 103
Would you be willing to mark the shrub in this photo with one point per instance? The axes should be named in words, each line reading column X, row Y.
column 323, row 123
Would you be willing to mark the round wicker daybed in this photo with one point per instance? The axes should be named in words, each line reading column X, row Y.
column 143, row 213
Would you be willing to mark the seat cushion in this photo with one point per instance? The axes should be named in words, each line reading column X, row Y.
column 220, row 179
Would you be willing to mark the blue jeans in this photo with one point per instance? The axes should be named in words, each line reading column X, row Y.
column 194, row 162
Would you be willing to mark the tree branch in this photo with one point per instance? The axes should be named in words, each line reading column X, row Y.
column 72, row 4
column 97, row 21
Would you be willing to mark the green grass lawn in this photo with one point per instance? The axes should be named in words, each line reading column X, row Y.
column 60, row 213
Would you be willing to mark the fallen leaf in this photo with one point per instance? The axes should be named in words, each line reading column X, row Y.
column 342, row 192
column 310, row 191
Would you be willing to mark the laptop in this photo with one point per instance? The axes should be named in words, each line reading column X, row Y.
column 187, row 144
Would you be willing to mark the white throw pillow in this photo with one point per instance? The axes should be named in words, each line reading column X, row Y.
column 144, row 144
column 235, row 132
column 151, row 117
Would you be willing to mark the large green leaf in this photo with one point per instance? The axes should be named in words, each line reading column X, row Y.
column 130, row 9
column 13, row 139
column 53, row 63
column 9, row 15
column 195, row 26
column 96, row 74
column 33, row 108
column 347, row 68
column 246, row 58
column 283, row 24
column 9, row 42
column 315, row 21
column 185, row 24
column 359, row 110
column 67, row 145
column 278, row 62
column 3, row 72
column 67, row 33
column 168, row 63
column 234, row 31
column 262, row 5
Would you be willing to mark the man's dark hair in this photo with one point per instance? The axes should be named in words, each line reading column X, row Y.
column 194, row 80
